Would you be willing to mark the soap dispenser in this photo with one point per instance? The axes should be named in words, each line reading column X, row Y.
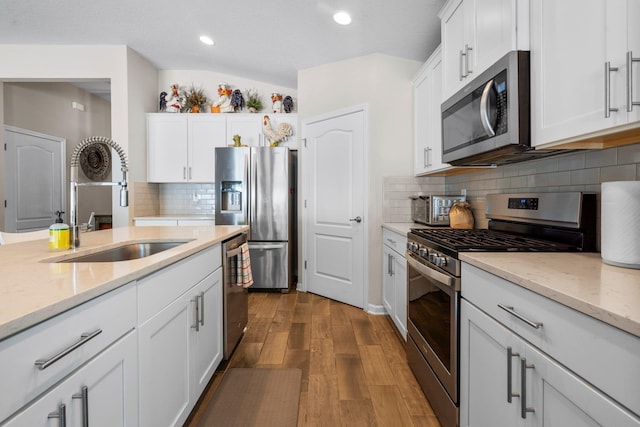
column 59, row 235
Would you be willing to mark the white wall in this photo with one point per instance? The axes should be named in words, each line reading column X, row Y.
column 76, row 62
column 384, row 83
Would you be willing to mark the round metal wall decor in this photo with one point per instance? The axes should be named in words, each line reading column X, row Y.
column 95, row 162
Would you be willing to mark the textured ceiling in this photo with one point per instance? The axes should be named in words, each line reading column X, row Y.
column 267, row 41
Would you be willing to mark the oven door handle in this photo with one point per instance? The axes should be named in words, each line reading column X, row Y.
column 445, row 279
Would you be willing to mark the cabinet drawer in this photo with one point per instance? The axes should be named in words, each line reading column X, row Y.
column 395, row 241
column 159, row 289
column 114, row 314
column 604, row 356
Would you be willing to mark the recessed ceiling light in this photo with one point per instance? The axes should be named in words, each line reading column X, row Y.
column 342, row 18
column 206, row 40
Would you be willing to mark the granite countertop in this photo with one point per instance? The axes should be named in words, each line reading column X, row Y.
column 578, row 280
column 35, row 288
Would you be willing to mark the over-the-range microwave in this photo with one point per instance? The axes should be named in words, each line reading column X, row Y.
column 488, row 121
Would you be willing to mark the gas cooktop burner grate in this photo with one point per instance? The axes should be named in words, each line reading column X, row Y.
column 486, row 240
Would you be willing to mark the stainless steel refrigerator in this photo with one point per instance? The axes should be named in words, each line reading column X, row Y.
column 255, row 186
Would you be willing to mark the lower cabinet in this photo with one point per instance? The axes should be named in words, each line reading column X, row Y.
column 394, row 282
column 179, row 350
column 101, row 393
column 504, row 380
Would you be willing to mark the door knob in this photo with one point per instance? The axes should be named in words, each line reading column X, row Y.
column 356, row 219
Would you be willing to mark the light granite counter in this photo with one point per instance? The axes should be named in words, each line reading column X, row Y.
column 178, row 216
column 578, row 280
column 34, row 288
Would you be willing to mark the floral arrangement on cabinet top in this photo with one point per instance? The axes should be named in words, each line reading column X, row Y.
column 194, row 100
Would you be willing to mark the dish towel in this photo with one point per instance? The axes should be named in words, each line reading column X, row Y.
column 244, row 277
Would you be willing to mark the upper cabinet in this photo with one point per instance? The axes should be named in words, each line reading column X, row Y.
column 427, row 133
column 181, row 147
column 583, row 70
column 475, row 34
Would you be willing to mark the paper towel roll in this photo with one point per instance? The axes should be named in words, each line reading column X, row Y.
column 620, row 227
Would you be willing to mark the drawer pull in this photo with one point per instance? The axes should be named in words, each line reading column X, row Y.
column 196, row 312
column 84, row 397
column 393, row 242
column 201, row 296
column 523, row 388
column 60, row 414
column 512, row 312
column 510, row 393
column 84, row 338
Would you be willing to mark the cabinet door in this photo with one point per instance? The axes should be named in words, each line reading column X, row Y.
column 453, row 46
column 568, row 57
column 400, row 286
column 633, row 42
column 206, row 341
column 495, row 32
column 167, row 147
column 557, row 397
column 111, row 393
column 248, row 126
column 484, row 370
column 388, row 293
column 206, row 132
column 164, row 365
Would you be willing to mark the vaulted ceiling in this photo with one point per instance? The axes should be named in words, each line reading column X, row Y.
column 267, row 41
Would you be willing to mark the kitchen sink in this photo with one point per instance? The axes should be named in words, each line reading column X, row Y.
column 126, row 252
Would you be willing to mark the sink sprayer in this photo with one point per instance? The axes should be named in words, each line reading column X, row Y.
column 74, row 184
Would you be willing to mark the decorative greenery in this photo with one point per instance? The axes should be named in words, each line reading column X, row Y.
column 194, row 97
column 253, row 100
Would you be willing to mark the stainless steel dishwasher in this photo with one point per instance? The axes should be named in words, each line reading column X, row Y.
column 235, row 298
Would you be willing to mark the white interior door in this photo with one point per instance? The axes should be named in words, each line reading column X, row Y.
column 34, row 179
column 334, row 221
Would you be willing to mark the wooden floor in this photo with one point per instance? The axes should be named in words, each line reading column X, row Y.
column 354, row 368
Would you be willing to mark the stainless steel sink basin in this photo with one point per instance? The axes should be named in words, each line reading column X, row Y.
column 126, row 252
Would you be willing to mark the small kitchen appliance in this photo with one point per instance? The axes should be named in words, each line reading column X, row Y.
column 432, row 210
column 543, row 222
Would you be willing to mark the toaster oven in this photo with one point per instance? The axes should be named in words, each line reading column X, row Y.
column 432, row 210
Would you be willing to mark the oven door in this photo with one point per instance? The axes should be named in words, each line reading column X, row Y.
column 434, row 299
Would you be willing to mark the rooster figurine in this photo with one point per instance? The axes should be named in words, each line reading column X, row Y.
column 283, row 131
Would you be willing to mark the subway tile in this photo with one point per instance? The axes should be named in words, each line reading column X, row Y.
column 600, row 158
column 572, row 162
column 629, row 154
column 618, row 173
column 585, row 176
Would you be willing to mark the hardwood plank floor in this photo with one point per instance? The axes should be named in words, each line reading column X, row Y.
column 354, row 368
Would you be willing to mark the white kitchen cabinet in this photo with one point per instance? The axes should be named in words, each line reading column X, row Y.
column 427, row 122
column 394, row 284
column 77, row 336
column 572, row 42
column 248, row 126
column 496, row 364
column 181, row 147
column 180, row 336
column 576, row 368
column 104, row 391
column 475, row 34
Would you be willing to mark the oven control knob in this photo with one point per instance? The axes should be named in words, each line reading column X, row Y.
column 441, row 261
column 422, row 251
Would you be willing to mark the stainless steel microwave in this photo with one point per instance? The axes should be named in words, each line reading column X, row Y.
column 488, row 121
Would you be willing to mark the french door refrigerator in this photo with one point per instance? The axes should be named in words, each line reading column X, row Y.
column 255, row 186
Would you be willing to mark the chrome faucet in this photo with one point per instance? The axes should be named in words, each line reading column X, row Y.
column 74, row 184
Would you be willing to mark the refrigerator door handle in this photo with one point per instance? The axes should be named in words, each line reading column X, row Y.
column 259, row 246
column 252, row 180
column 246, row 186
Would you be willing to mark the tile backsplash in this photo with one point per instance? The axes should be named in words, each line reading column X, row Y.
column 574, row 171
column 173, row 199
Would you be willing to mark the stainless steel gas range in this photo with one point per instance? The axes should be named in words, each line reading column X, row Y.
column 542, row 222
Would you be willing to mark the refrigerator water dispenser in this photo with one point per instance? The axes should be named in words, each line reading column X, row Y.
column 231, row 196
